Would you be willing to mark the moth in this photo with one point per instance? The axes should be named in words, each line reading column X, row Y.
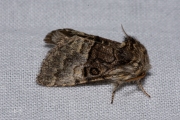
column 80, row 58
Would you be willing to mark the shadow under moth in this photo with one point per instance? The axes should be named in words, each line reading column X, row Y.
column 80, row 58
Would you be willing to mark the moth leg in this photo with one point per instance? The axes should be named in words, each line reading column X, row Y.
column 137, row 79
column 117, row 85
column 142, row 89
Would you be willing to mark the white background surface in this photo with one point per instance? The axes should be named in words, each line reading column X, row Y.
column 23, row 26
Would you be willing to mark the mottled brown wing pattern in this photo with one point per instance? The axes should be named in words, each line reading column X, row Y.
column 79, row 58
column 63, row 66
column 63, row 35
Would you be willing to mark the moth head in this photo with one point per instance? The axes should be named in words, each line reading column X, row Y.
column 136, row 53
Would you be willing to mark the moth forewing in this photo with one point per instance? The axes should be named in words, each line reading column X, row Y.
column 80, row 58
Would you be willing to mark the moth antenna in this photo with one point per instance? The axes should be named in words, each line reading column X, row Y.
column 124, row 31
